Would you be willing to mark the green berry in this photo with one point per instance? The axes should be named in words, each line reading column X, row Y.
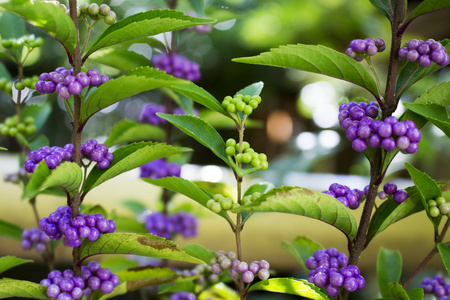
column 253, row 104
column 262, row 156
column 235, row 205
column 28, row 120
column 218, row 197
column 7, row 43
column 248, row 110
column 246, row 200
column 13, row 131
column 19, row 85
column 245, row 145
column 5, row 130
column 440, row 200
column 84, row 8
column 434, row 211
column 256, row 196
column 210, row 203
column 12, row 121
column 8, row 87
column 31, row 129
column 247, row 99
column 256, row 163
column 444, row 208
column 246, row 158
column 216, row 207
column 21, row 127
column 230, row 142
column 93, row 9
column 240, row 106
column 3, row 82
column 239, row 158
column 264, row 165
column 239, row 97
column 110, row 19
column 231, row 108
column 225, row 103
column 228, row 98
column 104, row 9
column 230, row 151
column 257, row 99
column 26, row 82
column 431, row 203
column 226, row 203
column 249, row 151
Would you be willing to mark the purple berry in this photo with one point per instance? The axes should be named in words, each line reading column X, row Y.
column 412, row 55
column 403, row 143
column 400, row 196
column 94, row 283
column 248, row 276
column 413, row 134
column 358, row 45
column 53, row 291
column 96, row 80
column 424, row 61
column 66, row 285
column 372, row 50
column 320, row 279
column 106, row 287
column 388, row 144
column 94, row 266
column 350, row 284
column 390, row 188
column 103, row 164
column 414, row 44
column 359, row 145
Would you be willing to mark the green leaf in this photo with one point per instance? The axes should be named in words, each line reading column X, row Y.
column 201, row 131
column 434, row 113
column 416, row 294
column 444, row 251
column 11, row 26
column 390, row 212
column 144, row 24
column 304, row 202
column 298, row 287
column 10, row 230
column 130, row 157
column 39, row 112
column 197, row 6
column 3, row 149
column 94, row 209
column 199, row 95
column 129, row 224
column 118, row 262
column 252, row 90
column 185, row 187
column 8, row 262
column 383, row 7
column 316, row 59
column 199, row 252
column 301, row 248
column 139, row 277
column 137, row 81
column 144, row 244
column 428, row 6
column 396, row 291
column 127, row 131
column 220, row 291
column 389, row 269
column 438, row 94
column 47, row 16
column 21, row 288
column 121, row 59
column 135, row 206
column 68, row 176
column 259, row 188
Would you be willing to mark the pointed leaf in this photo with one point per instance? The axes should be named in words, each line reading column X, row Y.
column 119, row 262
column 301, row 248
column 93, row 209
column 259, row 188
column 434, row 113
column 383, row 7
column 127, row 131
column 47, row 16
column 304, row 202
column 198, row 129
column 118, row 290
column 135, row 82
column 135, row 206
column 444, row 251
column 185, row 187
column 316, row 59
column 139, row 277
column 130, row 157
column 416, row 294
column 3, row 149
column 144, row 244
column 129, row 224
column 199, row 252
column 438, row 94
column 121, row 59
column 428, row 6
column 396, row 291
column 21, row 288
column 298, row 287
column 67, row 175
column 143, row 25
column 8, row 262
column 33, row 186
column 389, row 269
column 10, row 230
column 252, row 90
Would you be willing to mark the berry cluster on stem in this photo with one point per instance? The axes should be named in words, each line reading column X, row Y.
column 177, row 65
column 439, row 206
column 160, row 168
column 436, row 286
column 167, row 226
column 424, row 53
column 390, row 188
column 12, row 126
column 351, row 198
column 360, row 49
column 36, row 238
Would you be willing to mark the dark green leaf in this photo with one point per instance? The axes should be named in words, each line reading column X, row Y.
column 434, row 113
column 201, row 131
column 137, row 81
column 40, row 113
column 298, row 287
column 121, row 59
column 21, row 288
column 184, row 187
column 144, row 244
column 145, row 24
column 199, row 252
column 301, row 248
column 127, row 131
column 444, row 251
column 389, row 269
column 47, row 16
column 383, row 7
column 252, row 90
column 428, row 6
column 129, row 157
column 8, row 262
column 11, row 26
column 4, row 73
column 304, row 202
column 396, row 291
column 10, row 230
column 316, row 59
column 416, row 294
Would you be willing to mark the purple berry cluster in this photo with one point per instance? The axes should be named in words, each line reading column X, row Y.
column 350, row 198
column 177, row 65
column 160, row 168
column 436, row 286
column 330, row 270
column 358, row 120
column 424, row 53
column 360, row 48
column 183, row 296
column 239, row 269
column 167, row 226
column 34, row 238
column 52, row 156
column 63, row 285
column 99, row 153
column 61, row 224
column 66, row 84
column 97, row 277
column 390, row 188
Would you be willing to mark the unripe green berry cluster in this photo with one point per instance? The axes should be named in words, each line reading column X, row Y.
column 239, row 103
column 439, row 206
column 250, row 198
column 243, row 154
column 95, row 11
column 30, row 41
column 7, row 85
column 220, row 202
column 12, row 126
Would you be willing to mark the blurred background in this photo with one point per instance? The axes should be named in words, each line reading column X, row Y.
column 296, row 125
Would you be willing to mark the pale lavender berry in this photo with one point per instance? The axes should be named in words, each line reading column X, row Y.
column 64, row 296
column 64, row 92
column 216, row 269
column 413, row 55
column 403, row 53
column 412, row 148
column 403, row 143
column 382, row 195
column 424, row 61
column 364, row 131
column 381, row 44
column 263, row 274
column 359, row 145
column 248, row 276
column 372, row 50
column 358, row 45
column 385, row 130
column 414, row 135
column 242, row 267
column 414, row 44
column 45, row 282
column 75, row 88
column 400, row 196
column 53, row 291
column 351, row 53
